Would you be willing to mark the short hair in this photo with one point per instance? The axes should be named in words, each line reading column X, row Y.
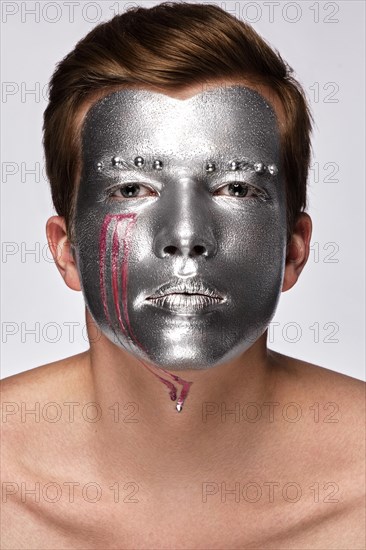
column 170, row 46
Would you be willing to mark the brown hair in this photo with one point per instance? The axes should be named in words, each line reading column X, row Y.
column 171, row 46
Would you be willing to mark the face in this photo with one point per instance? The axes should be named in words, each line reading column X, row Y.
column 180, row 226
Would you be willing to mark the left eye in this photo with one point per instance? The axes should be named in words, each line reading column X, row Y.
column 241, row 189
column 130, row 190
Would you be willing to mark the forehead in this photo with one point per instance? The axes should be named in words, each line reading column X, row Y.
column 225, row 120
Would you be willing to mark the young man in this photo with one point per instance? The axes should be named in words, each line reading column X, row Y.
column 177, row 147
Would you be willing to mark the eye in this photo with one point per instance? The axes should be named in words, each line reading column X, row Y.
column 241, row 189
column 130, row 191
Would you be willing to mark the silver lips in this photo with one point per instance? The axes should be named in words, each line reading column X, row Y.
column 186, row 297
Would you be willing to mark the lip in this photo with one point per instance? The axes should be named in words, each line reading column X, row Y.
column 185, row 304
column 180, row 286
column 186, row 297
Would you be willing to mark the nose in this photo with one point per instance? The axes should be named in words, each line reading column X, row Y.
column 185, row 228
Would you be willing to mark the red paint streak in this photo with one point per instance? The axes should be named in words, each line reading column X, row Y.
column 118, row 218
column 124, row 269
column 115, row 253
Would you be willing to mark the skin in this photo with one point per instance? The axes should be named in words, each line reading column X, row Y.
column 170, row 456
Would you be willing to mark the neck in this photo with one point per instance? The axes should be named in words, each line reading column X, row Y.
column 138, row 413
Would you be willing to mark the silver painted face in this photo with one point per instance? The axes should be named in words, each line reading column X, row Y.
column 182, row 201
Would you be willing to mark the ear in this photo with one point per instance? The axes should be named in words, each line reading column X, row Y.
column 297, row 251
column 60, row 247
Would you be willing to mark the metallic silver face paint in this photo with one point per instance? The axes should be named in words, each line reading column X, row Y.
column 180, row 226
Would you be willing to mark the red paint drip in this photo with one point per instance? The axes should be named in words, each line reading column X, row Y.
column 118, row 218
column 184, row 393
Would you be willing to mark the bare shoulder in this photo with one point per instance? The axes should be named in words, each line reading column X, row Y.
column 38, row 444
column 31, row 403
column 323, row 438
column 307, row 379
column 329, row 409
column 327, row 397
column 46, row 380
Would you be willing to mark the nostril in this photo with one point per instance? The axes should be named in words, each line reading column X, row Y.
column 198, row 250
column 171, row 250
column 191, row 252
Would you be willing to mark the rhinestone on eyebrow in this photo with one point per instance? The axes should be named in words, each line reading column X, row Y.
column 234, row 165
column 139, row 162
column 259, row 167
column 117, row 161
column 157, row 165
column 272, row 169
column 210, row 167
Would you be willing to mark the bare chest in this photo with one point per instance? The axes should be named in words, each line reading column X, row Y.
column 125, row 518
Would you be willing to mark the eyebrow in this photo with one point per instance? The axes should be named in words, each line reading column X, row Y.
column 139, row 166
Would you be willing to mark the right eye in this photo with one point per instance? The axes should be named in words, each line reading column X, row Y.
column 129, row 191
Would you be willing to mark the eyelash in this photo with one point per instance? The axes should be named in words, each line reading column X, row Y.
column 257, row 193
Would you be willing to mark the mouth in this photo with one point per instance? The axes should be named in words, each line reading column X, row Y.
column 186, row 297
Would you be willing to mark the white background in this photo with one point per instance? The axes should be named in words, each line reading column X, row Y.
column 321, row 320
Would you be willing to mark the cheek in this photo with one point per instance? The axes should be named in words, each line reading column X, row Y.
column 103, row 247
column 255, row 234
column 114, row 249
